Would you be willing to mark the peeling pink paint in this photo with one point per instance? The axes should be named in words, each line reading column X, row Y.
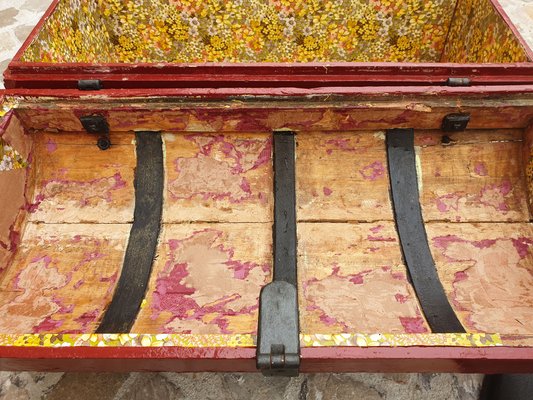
column 400, row 298
column 49, row 325
column 481, row 169
column 522, row 246
column 51, row 146
column 86, row 319
column 376, row 229
column 86, row 192
column 175, row 293
column 413, row 324
column 373, row 171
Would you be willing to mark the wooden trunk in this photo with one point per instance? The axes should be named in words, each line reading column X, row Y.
column 156, row 249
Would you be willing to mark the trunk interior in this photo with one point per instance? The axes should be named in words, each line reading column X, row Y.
column 68, row 210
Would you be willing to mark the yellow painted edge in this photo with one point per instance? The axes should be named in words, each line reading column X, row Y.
column 247, row 340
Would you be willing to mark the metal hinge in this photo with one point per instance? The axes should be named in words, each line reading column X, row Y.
column 455, row 122
column 457, row 82
column 97, row 124
column 278, row 344
column 90, row 84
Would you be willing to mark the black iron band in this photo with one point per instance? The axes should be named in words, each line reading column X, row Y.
column 278, row 343
column 412, row 233
column 142, row 244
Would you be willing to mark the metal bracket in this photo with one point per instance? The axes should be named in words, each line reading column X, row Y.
column 457, row 82
column 278, row 337
column 90, row 84
column 455, row 122
column 97, row 124
column 278, row 344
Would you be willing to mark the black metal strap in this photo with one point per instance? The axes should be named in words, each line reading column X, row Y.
column 142, row 244
column 278, row 344
column 412, row 233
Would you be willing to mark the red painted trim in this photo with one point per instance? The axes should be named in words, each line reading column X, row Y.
column 499, row 9
column 164, row 75
column 35, row 31
column 318, row 359
column 384, row 92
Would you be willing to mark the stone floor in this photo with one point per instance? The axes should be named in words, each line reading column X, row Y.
column 16, row 22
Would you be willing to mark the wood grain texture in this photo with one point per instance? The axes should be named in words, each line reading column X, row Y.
column 75, row 182
column 478, row 177
column 527, row 154
column 15, row 188
column 62, row 277
column 297, row 115
column 352, row 279
column 219, row 178
column 342, row 176
column 207, row 278
column 486, row 270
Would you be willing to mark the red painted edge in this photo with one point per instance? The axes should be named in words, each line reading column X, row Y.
column 34, row 32
column 318, row 359
column 279, row 93
column 35, row 75
column 499, row 10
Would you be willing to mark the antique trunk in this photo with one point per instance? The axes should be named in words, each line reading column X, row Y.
column 283, row 185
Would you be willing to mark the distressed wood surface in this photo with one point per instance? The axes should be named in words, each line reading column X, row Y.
column 487, row 271
column 478, row 177
column 77, row 182
column 342, row 177
column 62, row 277
column 352, row 279
column 206, row 279
column 15, row 187
column 240, row 116
column 220, row 178
column 527, row 155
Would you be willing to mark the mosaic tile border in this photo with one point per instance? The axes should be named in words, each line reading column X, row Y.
column 245, row 340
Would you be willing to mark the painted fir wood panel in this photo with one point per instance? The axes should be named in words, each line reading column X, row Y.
column 352, row 279
column 478, row 177
column 62, row 278
column 218, row 178
column 487, row 272
column 206, row 279
column 342, row 176
column 75, row 182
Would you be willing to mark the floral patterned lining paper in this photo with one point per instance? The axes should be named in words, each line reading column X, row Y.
column 133, row 31
column 479, row 35
column 10, row 158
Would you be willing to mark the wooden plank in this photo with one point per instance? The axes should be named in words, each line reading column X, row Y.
column 470, row 136
column 206, row 279
column 62, row 277
column 297, row 113
column 78, row 183
column 472, row 179
column 486, row 270
column 12, row 201
column 218, row 178
column 352, row 279
column 342, row 176
column 528, row 165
